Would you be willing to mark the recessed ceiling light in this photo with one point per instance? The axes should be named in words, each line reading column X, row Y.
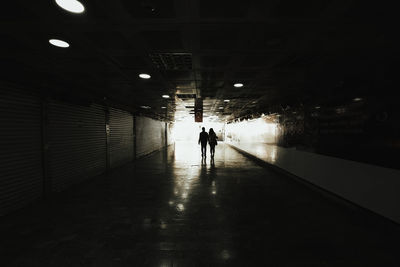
column 145, row 107
column 226, row 100
column 357, row 99
column 163, row 107
column 73, row 6
column 238, row 85
column 59, row 43
column 165, row 96
column 144, row 76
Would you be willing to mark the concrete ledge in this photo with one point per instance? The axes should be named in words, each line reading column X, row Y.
column 325, row 192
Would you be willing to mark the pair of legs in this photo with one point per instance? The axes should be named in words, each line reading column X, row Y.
column 212, row 150
column 203, row 149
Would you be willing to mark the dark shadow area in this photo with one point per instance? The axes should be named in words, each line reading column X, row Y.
column 173, row 209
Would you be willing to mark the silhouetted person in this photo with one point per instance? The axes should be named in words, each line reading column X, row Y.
column 212, row 140
column 203, row 139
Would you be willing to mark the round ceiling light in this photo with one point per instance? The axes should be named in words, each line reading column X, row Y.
column 144, row 76
column 165, row 96
column 73, row 6
column 238, row 85
column 59, row 43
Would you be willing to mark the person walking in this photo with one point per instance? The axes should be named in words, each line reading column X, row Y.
column 203, row 139
column 212, row 140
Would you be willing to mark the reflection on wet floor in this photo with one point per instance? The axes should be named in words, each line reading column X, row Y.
column 174, row 208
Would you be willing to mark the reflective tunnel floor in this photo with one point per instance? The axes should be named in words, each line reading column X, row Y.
column 173, row 209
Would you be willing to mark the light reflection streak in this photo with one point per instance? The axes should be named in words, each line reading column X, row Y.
column 186, row 172
column 180, row 207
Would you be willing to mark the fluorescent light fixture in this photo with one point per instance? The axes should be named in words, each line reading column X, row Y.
column 317, row 107
column 357, row 99
column 144, row 76
column 73, row 6
column 221, row 107
column 165, row 96
column 145, row 107
column 163, row 107
column 238, row 85
column 59, row 43
column 226, row 100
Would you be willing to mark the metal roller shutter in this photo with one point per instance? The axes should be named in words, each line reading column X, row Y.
column 21, row 179
column 121, row 137
column 150, row 135
column 77, row 143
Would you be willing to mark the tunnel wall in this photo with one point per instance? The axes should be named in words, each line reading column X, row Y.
column 121, row 137
column 170, row 138
column 150, row 135
column 76, row 143
column 21, row 177
column 48, row 145
column 373, row 187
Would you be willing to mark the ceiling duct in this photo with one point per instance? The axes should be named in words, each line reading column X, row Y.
column 172, row 61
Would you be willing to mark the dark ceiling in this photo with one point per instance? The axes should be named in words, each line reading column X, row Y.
column 285, row 52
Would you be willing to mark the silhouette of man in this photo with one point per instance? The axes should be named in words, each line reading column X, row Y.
column 203, row 139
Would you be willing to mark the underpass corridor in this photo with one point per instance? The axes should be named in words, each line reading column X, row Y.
column 174, row 208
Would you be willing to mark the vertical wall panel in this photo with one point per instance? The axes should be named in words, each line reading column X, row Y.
column 21, row 179
column 77, row 143
column 121, row 137
column 170, row 140
column 150, row 135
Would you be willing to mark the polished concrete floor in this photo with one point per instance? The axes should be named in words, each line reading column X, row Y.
column 173, row 209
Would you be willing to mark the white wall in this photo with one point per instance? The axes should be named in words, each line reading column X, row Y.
column 372, row 187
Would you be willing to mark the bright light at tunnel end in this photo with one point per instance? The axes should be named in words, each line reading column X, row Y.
column 73, row 6
column 59, row 43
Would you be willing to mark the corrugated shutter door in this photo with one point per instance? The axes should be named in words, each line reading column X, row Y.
column 121, row 137
column 150, row 135
column 21, row 179
column 77, row 143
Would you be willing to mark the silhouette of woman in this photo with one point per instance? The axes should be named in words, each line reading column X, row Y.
column 212, row 140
